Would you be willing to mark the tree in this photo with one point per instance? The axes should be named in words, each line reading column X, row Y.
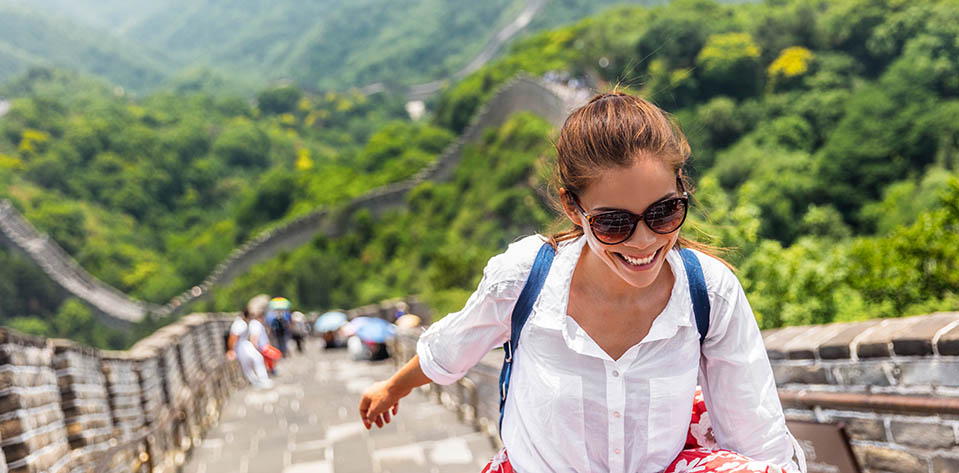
column 279, row 100
column 729, row 64
column 242, row 143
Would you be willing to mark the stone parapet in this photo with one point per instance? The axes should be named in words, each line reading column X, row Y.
column 65, row 407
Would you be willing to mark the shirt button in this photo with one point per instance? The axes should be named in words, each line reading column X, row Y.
column 615, row 374
column 616, row 414
column 616, row 451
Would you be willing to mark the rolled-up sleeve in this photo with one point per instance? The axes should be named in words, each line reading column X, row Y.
column 458, row 341
column 738, row 383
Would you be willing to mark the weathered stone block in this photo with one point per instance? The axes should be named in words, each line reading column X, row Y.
column 887, row 459
column 806, row 345
column 942, row 464
column 837, row 347
column 949, row 342
column 800, row 374
column 932, row 372
column 776, row 342
column 916, row 337
column 14, row 398
column 863, row 373
column 21, row 421
column 925, row 435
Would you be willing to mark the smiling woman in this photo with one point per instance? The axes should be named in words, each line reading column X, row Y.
column 618, row 320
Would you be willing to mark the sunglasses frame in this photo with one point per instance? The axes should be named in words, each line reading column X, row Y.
column 636, row 217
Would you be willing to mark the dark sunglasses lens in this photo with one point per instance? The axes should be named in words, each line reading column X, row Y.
column 613, row 227
column 666, row 216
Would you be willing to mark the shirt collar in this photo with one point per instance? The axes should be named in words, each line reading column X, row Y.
column 555, row 298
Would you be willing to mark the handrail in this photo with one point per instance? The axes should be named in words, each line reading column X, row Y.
column 877, row 402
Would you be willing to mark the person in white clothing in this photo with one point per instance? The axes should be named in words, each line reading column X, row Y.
column 260, row 337
column 240, row 348
column 611, row 355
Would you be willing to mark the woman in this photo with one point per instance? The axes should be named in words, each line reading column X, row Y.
column 240, row 349
column 260, row 337
column 610, row 356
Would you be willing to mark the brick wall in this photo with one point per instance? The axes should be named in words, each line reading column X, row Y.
column 65, row 407
column 894, row 383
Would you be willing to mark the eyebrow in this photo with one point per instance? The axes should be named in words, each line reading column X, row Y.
column 607, row 209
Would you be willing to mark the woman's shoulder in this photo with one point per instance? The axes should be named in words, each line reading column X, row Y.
column 514, row 264
column 720, row 279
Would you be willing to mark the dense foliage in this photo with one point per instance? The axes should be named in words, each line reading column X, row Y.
column 437, row 248
column 826, row 151
column 150, row 195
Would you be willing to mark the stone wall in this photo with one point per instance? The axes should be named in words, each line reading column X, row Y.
column 65, row 407
column 892, row 383
column 115, row 307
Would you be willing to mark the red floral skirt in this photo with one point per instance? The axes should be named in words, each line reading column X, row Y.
column 701, row 453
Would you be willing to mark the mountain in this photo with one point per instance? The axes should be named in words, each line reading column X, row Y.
column 29, row 39
column 321, row 45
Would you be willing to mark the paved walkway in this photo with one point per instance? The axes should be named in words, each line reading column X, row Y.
column 309, row 423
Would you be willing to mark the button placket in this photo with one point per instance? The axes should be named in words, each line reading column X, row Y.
column 616, row 403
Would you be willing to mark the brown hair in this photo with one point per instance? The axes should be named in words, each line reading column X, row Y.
column 613, row 130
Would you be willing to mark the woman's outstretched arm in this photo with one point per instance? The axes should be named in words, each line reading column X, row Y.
column 382, row 398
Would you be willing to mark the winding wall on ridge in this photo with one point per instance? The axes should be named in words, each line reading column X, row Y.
column 550, row 101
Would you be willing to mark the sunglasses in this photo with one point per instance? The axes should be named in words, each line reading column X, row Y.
column 616, row 226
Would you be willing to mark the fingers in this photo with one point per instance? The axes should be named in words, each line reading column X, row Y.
column 364, row 410
column 396, row 408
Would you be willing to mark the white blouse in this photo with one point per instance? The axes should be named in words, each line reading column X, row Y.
column 572, row 408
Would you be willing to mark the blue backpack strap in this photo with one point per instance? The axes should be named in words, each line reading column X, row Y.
column 697, row 291
column 524, row 306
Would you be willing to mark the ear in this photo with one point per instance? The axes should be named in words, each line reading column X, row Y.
column 572, row 213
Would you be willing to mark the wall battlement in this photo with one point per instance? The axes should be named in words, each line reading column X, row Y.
column 66, row 407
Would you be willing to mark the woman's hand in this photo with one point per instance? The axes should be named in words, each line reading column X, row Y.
column 382, row 398
column 377, row 403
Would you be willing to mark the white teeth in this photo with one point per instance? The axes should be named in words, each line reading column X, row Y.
column 636, row 261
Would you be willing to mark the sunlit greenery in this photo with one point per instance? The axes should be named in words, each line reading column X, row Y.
column 825, row 149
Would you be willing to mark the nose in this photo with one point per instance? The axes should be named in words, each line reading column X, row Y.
column 642, row 237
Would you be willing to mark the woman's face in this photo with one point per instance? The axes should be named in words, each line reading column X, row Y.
column 637, row 261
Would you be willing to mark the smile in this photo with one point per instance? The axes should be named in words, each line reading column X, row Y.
column 638, row 263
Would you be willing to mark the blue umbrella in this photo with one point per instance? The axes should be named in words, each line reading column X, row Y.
column 375, row 330
column 329, row 322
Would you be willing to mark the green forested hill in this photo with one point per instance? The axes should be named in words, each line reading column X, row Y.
column 150, row 195
column 321, row 45
column 825, row 146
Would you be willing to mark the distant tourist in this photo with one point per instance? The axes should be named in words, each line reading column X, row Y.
column 298, row 329
column 629, row 317
column 279, row 320
column 259, row 335
column 241, row 349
